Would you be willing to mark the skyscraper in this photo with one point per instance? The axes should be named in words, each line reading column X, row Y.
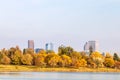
column 49, row 46
column 37, row 50
column 31, row 44
column 91, row 46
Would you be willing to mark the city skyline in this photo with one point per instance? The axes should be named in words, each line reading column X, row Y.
column 67, row 22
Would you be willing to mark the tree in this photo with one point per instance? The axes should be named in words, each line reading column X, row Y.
column 42, row 52
column 4, row 51
column 97, row 58
column 109, row 62
column 117, row 64
column 27, row 59
column 108, row 55
column 54, row 61
column 75, row 56
column 48, row 57
column 116, row 57
column 80, row 63
column 40, row 60
column 65, row 61
column 62, row 50
column 84, row 56
column 91, row 50
column 5, row 60
column 16, row 57
column 50, row 51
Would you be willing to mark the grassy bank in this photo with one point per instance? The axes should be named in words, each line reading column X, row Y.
column 16, row 68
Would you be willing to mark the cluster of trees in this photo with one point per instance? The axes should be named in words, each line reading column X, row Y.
column 66, row 57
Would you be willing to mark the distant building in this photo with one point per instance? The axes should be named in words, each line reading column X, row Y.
column 91, row 45
column 37, row 50
column 103, row 54
column 31, row 44
column 49, row 46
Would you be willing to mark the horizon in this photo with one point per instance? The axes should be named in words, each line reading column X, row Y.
column 62, row 22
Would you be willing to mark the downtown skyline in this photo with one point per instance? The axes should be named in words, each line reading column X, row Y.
column 67, row 22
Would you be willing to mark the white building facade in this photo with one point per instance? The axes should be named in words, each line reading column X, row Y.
column 91, row 45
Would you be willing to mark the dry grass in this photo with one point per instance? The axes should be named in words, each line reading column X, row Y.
column 17, row 68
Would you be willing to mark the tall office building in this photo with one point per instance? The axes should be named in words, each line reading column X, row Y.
column 91, row 45
column 49, row 46
column 37, row 50
column 31, row 44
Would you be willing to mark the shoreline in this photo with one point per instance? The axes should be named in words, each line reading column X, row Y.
column 22, row 68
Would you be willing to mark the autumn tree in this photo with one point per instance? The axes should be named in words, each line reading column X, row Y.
column 108, row 55
column 80, row 63
column 117, row 64
column 16, row 57
column 5, row 60
column 40, row 60
column 4, row 51
column 83, row 55
column 27, row 59
column 109, row 62
column 52, row 60
column 75, row 56
column 42, row 52
column 97, row 58
column 65, row 61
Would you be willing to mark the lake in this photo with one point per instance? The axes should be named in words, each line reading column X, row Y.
column 58, row 76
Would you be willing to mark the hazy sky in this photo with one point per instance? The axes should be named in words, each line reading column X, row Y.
column 67, row 22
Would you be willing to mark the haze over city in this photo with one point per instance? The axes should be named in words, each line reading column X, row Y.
column 68, row 22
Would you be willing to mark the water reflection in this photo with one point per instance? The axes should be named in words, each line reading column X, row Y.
column 58, row 76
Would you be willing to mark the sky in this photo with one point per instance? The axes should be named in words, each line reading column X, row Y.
column 62, row 22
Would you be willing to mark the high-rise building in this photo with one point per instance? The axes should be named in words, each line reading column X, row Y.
column 37, row 50
column 91, row 45
column 49, row 46
column 31, row 44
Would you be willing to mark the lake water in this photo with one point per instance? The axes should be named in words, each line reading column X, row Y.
column 58, row 76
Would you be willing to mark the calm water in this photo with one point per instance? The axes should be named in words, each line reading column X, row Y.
column 58, row 76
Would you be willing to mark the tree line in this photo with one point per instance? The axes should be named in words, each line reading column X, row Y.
column 66, row 57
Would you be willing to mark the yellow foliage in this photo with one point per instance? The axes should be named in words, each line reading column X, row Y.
column 40, row 60
column 65, row 61
column 109, row 62
column 97, row 58
column 81, row 63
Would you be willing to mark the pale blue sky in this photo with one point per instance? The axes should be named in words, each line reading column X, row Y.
column 68, row 22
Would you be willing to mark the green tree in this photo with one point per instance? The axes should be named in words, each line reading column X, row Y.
column 116, row 57
column 50, row 51
column 62, row 50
